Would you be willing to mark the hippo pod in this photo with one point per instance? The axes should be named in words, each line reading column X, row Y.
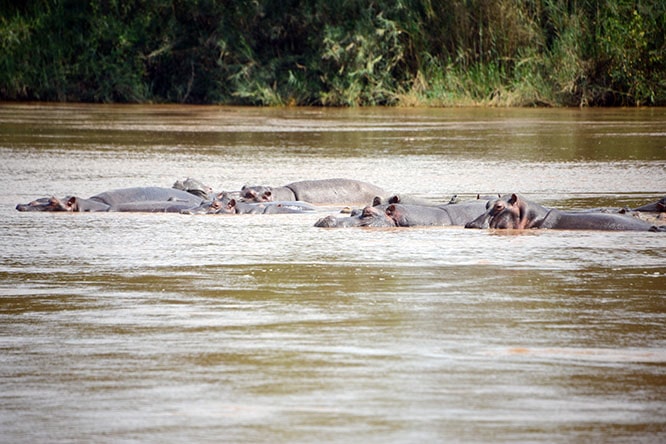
column 404, row 215
column 224, row 204
column 318, row 192
column 515, row 212
column 137, row 199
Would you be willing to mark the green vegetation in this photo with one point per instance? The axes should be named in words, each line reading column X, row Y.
column 336, row 52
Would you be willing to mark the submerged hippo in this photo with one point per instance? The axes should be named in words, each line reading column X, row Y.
column 403, row 215
column 225, row 204
column 196, row 187
column 441, row 216
column 654, row 207
column 514, row 212
column 318, row 192
column 370, row 216
column 138, row 199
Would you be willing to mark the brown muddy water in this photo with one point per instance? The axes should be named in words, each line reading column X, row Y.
column 174, row 328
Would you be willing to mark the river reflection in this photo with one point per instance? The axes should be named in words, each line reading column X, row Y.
column 172, row 328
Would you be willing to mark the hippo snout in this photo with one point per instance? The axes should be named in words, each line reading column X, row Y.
column 480, row 222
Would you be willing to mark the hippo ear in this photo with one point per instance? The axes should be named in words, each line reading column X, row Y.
column 71, row 203
column 513, row 199
column 231, row 204
column 394, row 199
column 376, row 201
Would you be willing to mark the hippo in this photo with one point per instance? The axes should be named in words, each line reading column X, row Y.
column 139, row 199
column 509, row 211
column 318, row 192
column 568, row 220
column 69, row 203
column 405, row 215
column 225, row 204
column 514, row 212
column 221, row 204
column 654, row 207
column 441, row 216
column 280, row 207
column 654, row 213
column 194, row 186
column 369, row 216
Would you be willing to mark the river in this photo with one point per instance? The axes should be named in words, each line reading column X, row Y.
column 120, row 327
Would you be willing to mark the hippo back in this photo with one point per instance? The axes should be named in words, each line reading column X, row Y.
column 462, row 213
column 145, row 194
column 564, row 220
column 330, row 191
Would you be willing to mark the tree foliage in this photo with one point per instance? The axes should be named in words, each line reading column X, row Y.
column 335, row 52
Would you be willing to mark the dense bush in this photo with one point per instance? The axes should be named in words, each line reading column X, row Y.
column 335, row 52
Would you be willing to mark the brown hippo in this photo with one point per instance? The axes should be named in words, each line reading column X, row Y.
column 514, row 212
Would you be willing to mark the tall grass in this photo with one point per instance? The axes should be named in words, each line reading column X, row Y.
column 336, row 52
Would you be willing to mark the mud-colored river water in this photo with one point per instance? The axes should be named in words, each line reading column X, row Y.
column 173, row 328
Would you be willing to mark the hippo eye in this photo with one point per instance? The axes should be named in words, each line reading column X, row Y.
column 499, row 206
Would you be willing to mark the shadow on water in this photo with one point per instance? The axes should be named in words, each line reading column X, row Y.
column 171, row 328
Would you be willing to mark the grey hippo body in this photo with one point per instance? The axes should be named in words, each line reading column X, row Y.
column 369, row 216
column 654, row 207
column 136, row 199
column 196, row 187
column 318, row 192
column 225, row 204
column 515, row 212
column 457, row 214
column 405, row 215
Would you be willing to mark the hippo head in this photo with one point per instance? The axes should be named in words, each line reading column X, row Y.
column 397, row 214
column 222, row 204
column 368, row 217
column 193, row 186
column 508, row 212
column 375, row 217
column 49, row 204
column 256, row 194
column 222, row 207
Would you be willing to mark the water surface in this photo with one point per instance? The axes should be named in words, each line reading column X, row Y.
column 172, row 328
